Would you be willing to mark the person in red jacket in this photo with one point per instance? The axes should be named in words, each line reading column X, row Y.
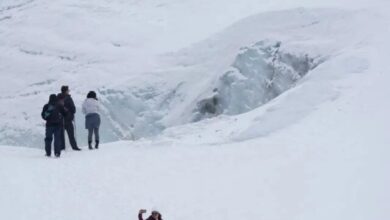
column 154, row 216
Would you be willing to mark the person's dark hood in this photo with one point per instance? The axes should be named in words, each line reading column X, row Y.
column 53, row 99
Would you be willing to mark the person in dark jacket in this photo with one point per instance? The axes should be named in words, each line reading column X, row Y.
column 155, row 215
column 60, row 99
column 70, row 111
column 51, row 113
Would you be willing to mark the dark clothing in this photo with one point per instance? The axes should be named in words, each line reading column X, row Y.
column 68, row 114
column 69, row 128
column 62, row 137
column 53, row 131
column 92, row 121
column 52, row 114
column 70, row 108
column 92, row 131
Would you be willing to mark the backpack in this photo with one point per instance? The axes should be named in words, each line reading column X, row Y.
column 51, row 114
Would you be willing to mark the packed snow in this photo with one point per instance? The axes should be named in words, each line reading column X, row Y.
column 210, row 109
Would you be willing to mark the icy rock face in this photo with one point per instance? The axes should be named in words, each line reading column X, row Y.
column 119, row 110
column 134, row 113
column 259, row 74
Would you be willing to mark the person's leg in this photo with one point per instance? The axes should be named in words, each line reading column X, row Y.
column 90, row 132
column 48, row 140
column 57, row 141
column 97, row 135
column 62, row 137
column 70, row 130
column 96, row 131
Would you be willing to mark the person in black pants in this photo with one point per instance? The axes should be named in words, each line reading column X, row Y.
column 52, row 114
column 69, row 112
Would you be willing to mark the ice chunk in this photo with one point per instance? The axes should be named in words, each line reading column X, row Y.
column 259, row 73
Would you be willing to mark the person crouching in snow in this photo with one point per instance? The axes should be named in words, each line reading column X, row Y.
column 51, row 113
column 155, row 215
column 92, row 118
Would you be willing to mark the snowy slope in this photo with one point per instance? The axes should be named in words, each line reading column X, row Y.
column 128, row 52
column 317, row 151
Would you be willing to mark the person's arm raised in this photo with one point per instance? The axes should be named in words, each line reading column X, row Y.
column 140, row 213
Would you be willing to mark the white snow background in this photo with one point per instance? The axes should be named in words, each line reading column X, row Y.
column 211, row 109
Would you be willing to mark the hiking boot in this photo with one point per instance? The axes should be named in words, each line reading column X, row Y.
column 77, row 149
column 97, row 144
column 47, row 155
column 90, row 145
column 58, row 155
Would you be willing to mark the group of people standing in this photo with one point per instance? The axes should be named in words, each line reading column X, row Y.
column 59, row 114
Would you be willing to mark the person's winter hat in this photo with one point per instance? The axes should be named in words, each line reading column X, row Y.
column 91, row 95
column 64, row 89
column 154, row 212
